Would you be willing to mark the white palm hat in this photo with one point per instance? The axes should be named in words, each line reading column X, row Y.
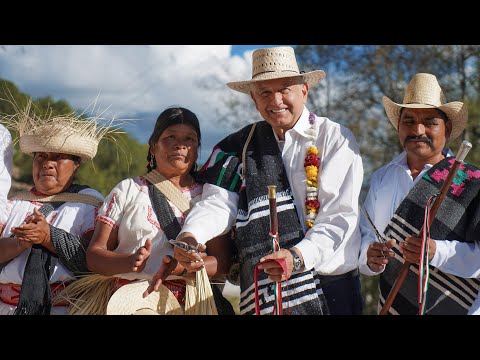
column 129, row 300
column 424, row 92
column 67, row 134
column 275, row 63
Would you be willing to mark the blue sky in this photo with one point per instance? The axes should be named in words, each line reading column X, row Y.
column 240, row 49
column 135, row 81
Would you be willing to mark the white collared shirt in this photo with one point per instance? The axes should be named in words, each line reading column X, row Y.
column 332, row 245
column 389, row 186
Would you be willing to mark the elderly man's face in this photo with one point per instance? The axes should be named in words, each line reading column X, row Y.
column 280, row 102
column 53, row 172
column 423, row 132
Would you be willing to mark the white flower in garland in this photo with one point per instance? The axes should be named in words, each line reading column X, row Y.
column 311, row 165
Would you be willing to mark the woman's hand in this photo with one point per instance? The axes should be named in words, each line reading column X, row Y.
column 167, row 268
column 139, row 259
column 36, row 230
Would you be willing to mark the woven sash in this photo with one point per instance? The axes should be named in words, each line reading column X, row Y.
column 62, row 197
column 170, row 191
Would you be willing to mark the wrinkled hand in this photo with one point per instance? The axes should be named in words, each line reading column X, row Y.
column 168, row 266
column 139, row 259
column 273, row 269
column 378, row 254
column 410, row 249
column 192, row 261
column 36, row 230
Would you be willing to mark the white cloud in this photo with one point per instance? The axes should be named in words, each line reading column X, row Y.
column 132, row 80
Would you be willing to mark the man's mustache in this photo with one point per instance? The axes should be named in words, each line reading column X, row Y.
column 424, row 139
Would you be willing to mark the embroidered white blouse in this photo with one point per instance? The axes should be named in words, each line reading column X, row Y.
column 128, row 208
column 75, row 218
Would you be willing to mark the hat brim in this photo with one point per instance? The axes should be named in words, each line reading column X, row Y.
column 312, row 78
column 84, row 148
column 456, row 112
column 129, row 300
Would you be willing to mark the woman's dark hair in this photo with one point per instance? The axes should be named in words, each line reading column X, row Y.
column 169, row 117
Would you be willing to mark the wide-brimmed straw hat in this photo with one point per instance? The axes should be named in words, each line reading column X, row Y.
column 128, row 300
column 424, row 92
column 68, row 134
column 275, row 63
column 60, row 139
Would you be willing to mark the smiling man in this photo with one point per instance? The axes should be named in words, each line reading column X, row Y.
column 398, row 195
column 317, row 169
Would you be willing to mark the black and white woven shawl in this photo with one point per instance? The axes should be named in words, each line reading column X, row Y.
column 458, row 218
column 302, row 294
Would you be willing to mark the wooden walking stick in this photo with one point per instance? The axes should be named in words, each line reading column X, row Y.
column 272, row 205
column 402, row 275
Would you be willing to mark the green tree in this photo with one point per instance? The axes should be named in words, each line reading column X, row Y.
column 115, row 160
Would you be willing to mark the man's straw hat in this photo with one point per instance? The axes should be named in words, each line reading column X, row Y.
column 128, row 300
column 275, row 63
column 424, row 92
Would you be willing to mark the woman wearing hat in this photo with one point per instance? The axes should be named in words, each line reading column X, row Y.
column 45, row 230
column 316, row 167
column 396, row 202
column 141, row 214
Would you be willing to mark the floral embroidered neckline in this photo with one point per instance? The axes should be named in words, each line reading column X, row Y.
column 311, row 165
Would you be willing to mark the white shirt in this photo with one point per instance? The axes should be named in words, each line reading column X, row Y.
column 389, row 186
column 331, row 246
column 128, row 209
column 5, row 168
column 75, row 218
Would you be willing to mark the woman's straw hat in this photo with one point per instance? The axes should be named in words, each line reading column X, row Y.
column 422, row 92
column 67, row 134
column 129, row 300
column 65, row 140
column 275, row 63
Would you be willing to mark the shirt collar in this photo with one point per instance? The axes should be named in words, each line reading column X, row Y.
column 401, row 159
column 302, row 123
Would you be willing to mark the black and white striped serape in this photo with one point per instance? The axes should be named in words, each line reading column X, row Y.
column 264, row 167
column 458, row 218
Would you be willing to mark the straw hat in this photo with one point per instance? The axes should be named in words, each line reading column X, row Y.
column 128, row 300
column 275, row 63
column 424, row 92
column 68, row 134
column 65, row 140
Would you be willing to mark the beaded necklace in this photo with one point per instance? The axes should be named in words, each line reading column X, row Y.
column 311, row 171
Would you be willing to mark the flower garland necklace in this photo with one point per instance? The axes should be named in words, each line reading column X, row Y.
column 311, row 165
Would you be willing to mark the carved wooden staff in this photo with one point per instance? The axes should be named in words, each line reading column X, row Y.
column 402, row 275
column 272, row 202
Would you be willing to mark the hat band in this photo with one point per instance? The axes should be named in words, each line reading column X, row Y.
column 272, row 71
column 424, row 103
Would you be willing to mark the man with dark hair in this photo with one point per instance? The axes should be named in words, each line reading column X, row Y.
column 396, row 203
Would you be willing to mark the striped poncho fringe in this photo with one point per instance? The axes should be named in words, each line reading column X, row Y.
column 458, row 218
column 302, row 294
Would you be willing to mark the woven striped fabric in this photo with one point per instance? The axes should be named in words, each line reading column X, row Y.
column 458, row 218
column 264, row 166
